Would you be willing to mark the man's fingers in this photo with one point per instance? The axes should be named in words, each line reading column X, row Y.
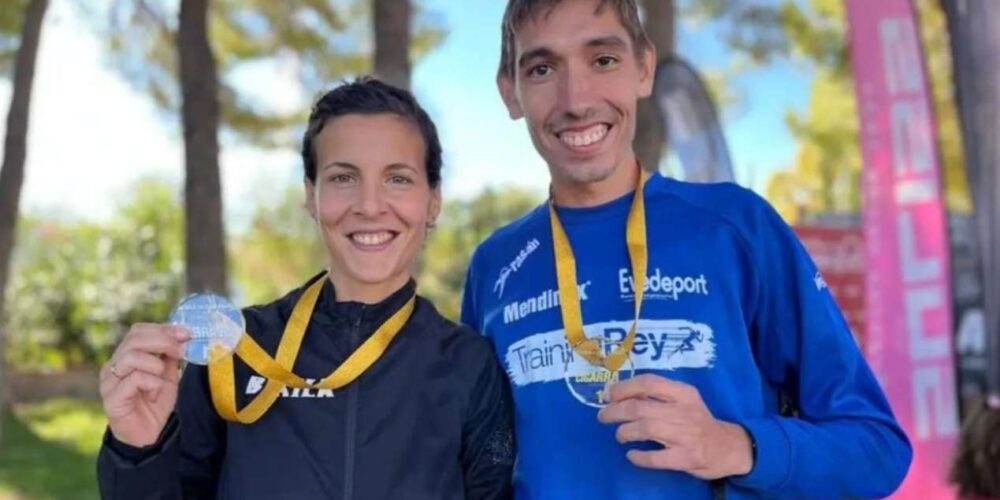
column 664, row 433
column 666, row 459
column 652, row 386
column 630, row 410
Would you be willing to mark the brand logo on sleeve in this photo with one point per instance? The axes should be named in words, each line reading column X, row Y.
column 514, row 265
column 819, row 281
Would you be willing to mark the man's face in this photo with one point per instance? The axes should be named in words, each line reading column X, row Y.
column 577, row 81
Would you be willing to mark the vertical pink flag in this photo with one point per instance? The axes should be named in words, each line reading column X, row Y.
column 908, row 291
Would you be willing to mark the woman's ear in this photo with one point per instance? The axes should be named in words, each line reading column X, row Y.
column 434, row 210
column 310, row 199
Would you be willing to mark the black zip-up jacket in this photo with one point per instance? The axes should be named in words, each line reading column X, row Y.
column 431, row 419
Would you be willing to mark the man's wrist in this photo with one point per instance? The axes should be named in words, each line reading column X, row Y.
column 741, row 452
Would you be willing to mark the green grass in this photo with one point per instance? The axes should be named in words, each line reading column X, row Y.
column 48, row 450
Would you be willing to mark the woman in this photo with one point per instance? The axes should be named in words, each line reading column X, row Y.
column 430, row 418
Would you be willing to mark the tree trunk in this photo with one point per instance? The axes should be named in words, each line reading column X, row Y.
column 204, row 231
column 15, row 154
column 982, row 103
column 974, row 29
column 650, row 131
column 392, row 41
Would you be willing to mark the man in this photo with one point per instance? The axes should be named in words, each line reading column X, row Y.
column 733, row 319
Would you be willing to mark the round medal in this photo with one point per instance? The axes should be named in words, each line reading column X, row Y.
column 587, row 382
column 215, row 324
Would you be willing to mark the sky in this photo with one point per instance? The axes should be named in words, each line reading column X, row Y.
column 92, row 134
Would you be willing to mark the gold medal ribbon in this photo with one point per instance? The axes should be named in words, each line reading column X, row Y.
column 569, row 299
column 278, row 372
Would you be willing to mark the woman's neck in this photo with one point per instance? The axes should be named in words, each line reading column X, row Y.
column 349, row 290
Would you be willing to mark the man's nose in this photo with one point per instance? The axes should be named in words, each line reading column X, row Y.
column 576, row 95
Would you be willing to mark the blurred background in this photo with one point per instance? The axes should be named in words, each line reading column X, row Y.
column 96, row 180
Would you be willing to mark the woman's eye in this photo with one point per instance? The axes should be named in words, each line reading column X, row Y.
column 399, row 179
column 340, row 178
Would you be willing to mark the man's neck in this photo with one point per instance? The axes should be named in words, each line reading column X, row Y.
column 622, row 181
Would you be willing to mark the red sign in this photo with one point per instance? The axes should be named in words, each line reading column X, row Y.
column 839, row 254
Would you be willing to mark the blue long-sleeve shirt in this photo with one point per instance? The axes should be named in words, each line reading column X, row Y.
column 733, row 306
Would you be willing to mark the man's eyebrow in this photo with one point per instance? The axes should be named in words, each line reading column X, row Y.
column 609, row 41
column 539, row 53
column 613, row 41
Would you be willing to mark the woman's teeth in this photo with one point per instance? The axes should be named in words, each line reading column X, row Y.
column 585, row 137
column 372, row 239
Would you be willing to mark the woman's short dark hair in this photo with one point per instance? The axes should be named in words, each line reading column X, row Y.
column 370, row 96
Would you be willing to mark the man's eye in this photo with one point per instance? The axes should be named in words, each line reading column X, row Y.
column 540, row 70
column 606, row 61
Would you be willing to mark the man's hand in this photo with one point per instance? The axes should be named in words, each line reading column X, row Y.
column 653, row 408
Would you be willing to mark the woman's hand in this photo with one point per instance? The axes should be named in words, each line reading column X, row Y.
column 139, row 382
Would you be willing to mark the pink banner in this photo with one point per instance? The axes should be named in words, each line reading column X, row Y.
column 908, row 293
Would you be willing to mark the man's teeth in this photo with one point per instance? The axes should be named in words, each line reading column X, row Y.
column 584, row 137
column 371, row 239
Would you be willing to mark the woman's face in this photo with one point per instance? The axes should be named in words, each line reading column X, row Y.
column 372, row 202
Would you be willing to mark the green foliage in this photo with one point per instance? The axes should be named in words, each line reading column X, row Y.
column 49, row 450
column 463, row 225
column 826, row 176
column 77, row 286
column 11, row 13
column 279, row 251
column 325, row 41
column 282, row 248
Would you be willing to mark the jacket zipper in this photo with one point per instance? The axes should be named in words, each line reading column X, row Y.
column 352, row 417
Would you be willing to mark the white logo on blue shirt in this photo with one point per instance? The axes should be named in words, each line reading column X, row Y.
column 514, row 265
column 659, row 345
column 819, row 281
column 660, row 286
column 548, row 299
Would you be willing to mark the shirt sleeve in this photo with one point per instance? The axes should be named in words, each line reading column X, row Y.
column 487, row 432
column 471, row 315
column 183, row 463
column 845, row 441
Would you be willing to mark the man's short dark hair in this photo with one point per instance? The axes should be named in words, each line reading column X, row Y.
column 370, row 96
column 520, row 11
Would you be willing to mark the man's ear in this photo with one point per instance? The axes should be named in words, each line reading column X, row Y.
column 647, row 71
column 506, row 86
